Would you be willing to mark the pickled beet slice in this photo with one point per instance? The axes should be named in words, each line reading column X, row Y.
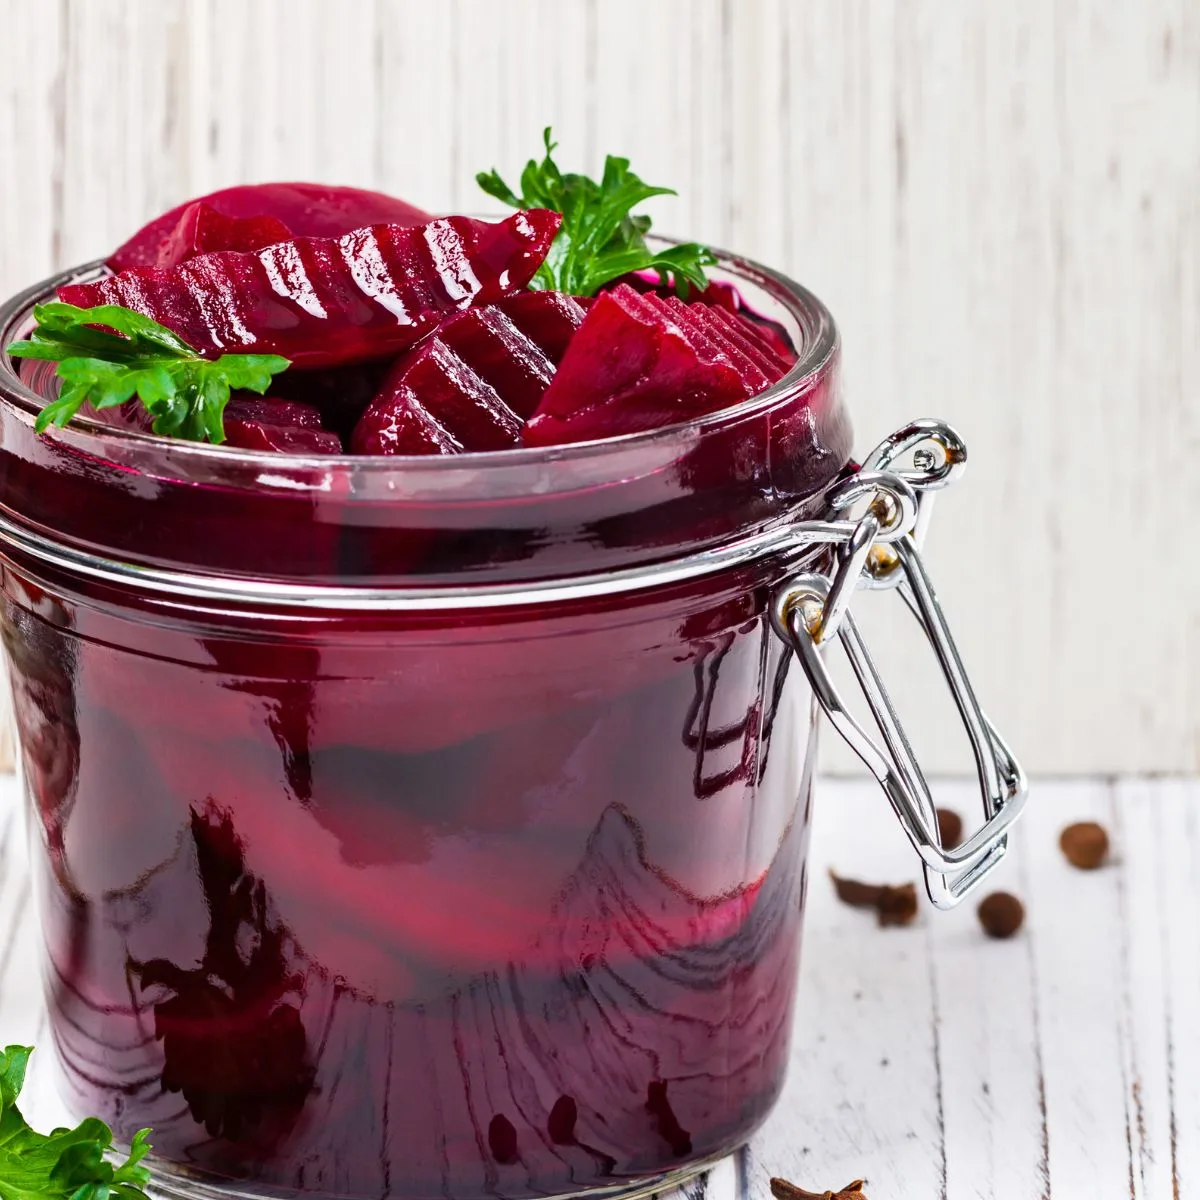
column 302, row 209
column 771, row 348
column 255, row 423
column 548, row 319
column 704, row 335
column 498, row 352
column 325, row 302
column 433, row 403
column 470, row 386
column 203, row 230
column 730, row 331
column 628, row 369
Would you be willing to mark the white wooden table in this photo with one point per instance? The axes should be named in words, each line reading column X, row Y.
column 939, row 1065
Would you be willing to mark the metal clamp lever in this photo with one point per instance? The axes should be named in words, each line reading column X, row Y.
column 810, row 610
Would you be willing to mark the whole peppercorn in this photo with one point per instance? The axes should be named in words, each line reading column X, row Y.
column 1085, row 845
column 1001, row 914
column 950, row 824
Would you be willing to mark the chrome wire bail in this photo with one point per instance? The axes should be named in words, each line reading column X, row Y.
column 810, row 610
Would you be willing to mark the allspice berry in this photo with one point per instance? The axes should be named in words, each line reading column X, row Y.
column 1085, row 845
column 1001, row 914
column 951, row 826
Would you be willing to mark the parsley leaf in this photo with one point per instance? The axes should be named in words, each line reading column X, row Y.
column 107, row 355
column 66, row 1164
column 600, row 239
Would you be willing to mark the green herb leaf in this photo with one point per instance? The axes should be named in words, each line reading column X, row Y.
column 601, row 239
column 66, row 1164
column 108, row 355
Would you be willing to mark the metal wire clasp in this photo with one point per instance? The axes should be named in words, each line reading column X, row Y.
column 810, row 610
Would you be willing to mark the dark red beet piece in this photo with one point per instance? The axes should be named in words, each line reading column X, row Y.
column 433, row 403
column 697, row 324
column 302, row 209
column 771, row 349
column 255, row 423
column 549, row 319
column 470, row 386
column 499, row 353
column 730, row 331
column 203, row 230
column 271, row 411
column 325, row 302
column 719, row 295
column 627, row 370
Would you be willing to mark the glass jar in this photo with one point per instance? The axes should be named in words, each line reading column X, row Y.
column 430, row 827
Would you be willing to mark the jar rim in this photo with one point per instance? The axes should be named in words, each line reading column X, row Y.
column 818, row 345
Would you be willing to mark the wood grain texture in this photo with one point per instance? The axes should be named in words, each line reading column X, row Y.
column 1000, row 203
column 1064, row 1063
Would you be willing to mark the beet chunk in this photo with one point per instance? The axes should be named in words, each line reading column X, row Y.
column 301, row 209
column 548, row 319
column 323, row 302
column 433, row 403
column 634, row 366
column 471, row 385
column 203, row 230
column 255, row 423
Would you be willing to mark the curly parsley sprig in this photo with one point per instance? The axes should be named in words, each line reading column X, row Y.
column 108, row 354
column 600, row 239
column 66, row 1164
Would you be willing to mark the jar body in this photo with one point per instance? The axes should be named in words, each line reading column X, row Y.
column 350, row 897
column 360, row 907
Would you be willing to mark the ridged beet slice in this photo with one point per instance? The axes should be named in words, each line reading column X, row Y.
column 499, row 353
column 764, row 336
column 432, row 403
column 325, row 302
column 303, row 209
column 626, row 371
column 716, row 322
column 471, row 384
column 255, row 423
column 716, row 333
column 710, row 339
column 203, row 230
column 549, row 319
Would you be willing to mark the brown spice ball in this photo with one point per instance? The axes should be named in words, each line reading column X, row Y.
column 1001, row 914
column 951, row 826
column 1085, row 845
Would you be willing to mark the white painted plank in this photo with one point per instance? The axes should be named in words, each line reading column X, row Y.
column 1079, row 960
column 864, row 1092
column 996, row 1133
column 1158, row 842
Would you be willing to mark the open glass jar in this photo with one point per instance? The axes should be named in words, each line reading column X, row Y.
column 437, row 828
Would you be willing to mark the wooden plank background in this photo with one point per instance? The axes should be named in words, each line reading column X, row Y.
column 1000, row 203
